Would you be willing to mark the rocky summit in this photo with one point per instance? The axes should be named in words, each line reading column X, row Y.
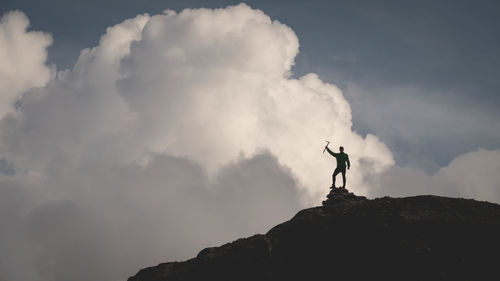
column 350, row 237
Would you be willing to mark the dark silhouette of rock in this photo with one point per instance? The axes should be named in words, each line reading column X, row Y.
column 353, row 238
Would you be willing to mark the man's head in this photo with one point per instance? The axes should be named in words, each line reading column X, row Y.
column 341, row 149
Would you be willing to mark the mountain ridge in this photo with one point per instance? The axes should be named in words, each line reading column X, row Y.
column 350, row 237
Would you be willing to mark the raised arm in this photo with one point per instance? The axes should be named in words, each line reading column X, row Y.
column 331, row 152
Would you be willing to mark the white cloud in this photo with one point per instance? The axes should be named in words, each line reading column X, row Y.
column 224, row 88
column 23, row 55
column 191, row 85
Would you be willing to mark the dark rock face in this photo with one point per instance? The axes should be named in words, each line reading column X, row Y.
column 353, row 238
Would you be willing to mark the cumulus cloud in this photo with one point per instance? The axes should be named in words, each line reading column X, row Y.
column 23, row 55
column 176, row 132
column 190, row 85
column 233, row 91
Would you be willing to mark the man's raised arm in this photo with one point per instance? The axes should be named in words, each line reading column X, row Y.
column 331, row 152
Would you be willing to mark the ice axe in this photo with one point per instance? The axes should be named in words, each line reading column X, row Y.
column 327, row 143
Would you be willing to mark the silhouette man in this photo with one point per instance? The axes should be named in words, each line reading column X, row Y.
column 342, row 159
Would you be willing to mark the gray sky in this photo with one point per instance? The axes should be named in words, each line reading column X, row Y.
column 411, row 54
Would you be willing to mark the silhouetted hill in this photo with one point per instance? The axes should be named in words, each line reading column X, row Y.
column 353, row 238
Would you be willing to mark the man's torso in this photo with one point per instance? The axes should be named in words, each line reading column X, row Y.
column 341, row 159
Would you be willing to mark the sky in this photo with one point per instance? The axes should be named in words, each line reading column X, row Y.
column 134, row 133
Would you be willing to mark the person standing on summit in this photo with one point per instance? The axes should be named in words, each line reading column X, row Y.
column 342, row 159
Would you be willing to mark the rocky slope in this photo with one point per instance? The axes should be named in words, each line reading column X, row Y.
column 353, row 238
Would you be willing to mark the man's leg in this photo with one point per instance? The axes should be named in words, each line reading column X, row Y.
column 335, row 173
column 343, row 177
